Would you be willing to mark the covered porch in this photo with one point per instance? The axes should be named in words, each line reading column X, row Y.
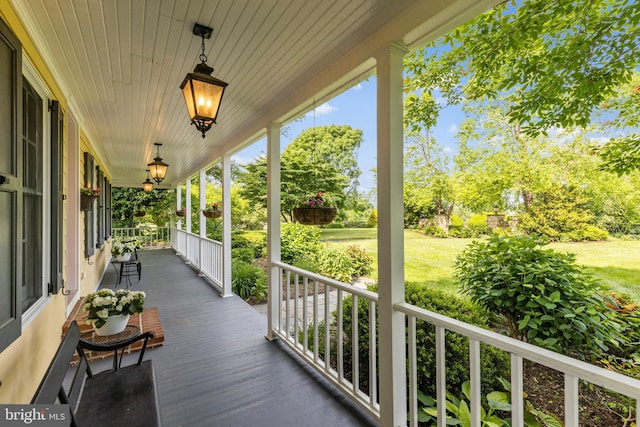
column 216, row 367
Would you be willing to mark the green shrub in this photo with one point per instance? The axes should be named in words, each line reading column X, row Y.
column 356, row 223
column 336, row 264
column 255, row 240
column 360, row 260
column 496, row 406
column 588, row 233
column 460, row 232
column 456, row 221
column 545, row 298
column 306, row 263
column 493, row 361
column 335, row 225
column 559, row 213
column 373, row 219
column 242, row 254
column 248, row 281
column 299, row 241
column 478, row 224
column 627, row 315
column 434, row 231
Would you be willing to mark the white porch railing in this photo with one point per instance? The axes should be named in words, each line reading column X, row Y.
column 574, row 370
column 203, row 254
column 306, row 304
column 148, row 237
column 311, row 324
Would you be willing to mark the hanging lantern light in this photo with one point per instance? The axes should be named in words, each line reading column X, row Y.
column 147, row 186
column 158, row 168
column 202, row 92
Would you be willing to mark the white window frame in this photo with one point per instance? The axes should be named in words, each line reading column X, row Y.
column 30, row 73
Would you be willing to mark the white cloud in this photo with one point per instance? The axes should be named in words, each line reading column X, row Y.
column 357, row 87
column 447, row 149
column 453, row 128
column 325, row 109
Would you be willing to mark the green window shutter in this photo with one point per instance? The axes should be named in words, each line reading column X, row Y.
column 10, row 186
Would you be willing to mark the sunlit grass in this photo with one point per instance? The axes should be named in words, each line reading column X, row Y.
column 615, row 263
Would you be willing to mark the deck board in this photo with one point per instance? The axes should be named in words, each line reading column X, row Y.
column 217, row 369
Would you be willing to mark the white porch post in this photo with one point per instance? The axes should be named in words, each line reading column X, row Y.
column 273, row 226
column 202, row 191
column 187, row 221
column 203, row 202
column 188, row 205
column 226, row 226
column 393, row 403
column 179, row 206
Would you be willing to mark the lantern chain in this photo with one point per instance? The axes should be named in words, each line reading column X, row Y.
column 203, row 57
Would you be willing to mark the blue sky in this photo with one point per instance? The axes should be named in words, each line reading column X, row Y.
column 356, row 107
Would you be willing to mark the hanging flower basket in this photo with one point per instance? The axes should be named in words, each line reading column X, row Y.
column 182, row 212
column 139, row 214
column 315, row 216
column 313, row 211
column 212, row 214
column 86, row 201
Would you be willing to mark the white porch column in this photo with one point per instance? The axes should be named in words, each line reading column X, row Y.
column 188, row 206
column 203, row 202
column 273, row 226
column 202, row 191
column 178, row 206
column 226, row 226
column 393, row 403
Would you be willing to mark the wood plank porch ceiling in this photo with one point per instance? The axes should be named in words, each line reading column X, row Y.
column 120, row 64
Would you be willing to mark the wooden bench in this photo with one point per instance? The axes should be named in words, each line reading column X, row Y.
column 123, row 396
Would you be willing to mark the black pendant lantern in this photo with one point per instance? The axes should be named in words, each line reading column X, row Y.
column 202, row 92
column 147, row 186
column 158, row 168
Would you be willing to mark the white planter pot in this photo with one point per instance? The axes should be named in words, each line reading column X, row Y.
column 125, row 257
column 114, row 325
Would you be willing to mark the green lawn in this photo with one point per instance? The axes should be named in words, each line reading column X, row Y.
column 615, row 263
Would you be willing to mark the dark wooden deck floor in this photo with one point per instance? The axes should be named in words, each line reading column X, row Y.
column 217, row 369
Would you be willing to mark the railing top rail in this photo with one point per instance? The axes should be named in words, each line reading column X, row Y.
column 197, row 236
column 371, row 296
column 577, row 368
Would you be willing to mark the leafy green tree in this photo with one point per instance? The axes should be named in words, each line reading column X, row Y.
column 297, row 180
column 621, row 153
column 497, row 163
column 319, row 159
column 555, row 64
column 427, row 173
column 417, row 205
column 158, row 205
column 329, row 146
column 553, row 61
